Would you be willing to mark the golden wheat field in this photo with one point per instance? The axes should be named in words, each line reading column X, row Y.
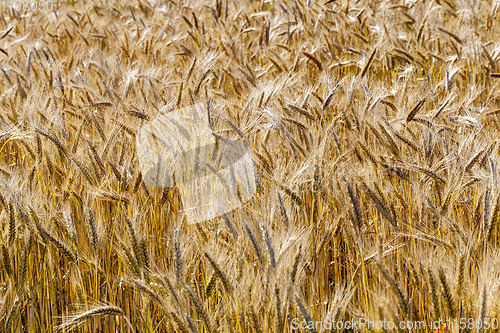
column 373, row 127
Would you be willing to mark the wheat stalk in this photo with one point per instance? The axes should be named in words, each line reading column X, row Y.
column 450, row 303
column 77, row 320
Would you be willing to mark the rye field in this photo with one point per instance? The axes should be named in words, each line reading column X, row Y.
column 373, row 129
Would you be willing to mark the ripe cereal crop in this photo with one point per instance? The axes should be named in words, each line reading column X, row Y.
column 367, row 185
